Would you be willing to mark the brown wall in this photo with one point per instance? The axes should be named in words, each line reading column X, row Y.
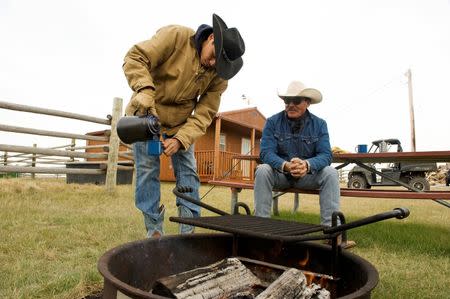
column 250, row 117
column 206, row 142
column 122, row 148
column 234, row 137
column 234, row 134
column 166, row 170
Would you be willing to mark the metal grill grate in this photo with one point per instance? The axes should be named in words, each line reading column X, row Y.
column 259, row 227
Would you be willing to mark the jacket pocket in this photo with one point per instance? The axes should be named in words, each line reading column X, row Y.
column 283, row 143
column 308, row 145
column 175, row 115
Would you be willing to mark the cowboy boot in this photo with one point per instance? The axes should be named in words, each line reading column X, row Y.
column 155, row 227
column 185, row 212
column 344, row 244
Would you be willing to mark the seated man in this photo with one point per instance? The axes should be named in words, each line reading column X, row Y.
column 296, row 153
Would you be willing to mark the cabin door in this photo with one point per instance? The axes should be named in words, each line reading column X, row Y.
column 245, row 150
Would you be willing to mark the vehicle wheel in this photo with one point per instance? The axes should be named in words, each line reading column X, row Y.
column 420, row 183
column 357, row 182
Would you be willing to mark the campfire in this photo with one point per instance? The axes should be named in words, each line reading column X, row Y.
column 254, row 258
column 132, row 270
column 241, row 278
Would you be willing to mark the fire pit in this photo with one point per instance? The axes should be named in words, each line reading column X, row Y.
column 132, row 269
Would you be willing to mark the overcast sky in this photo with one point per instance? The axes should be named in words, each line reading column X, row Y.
column 67, row 55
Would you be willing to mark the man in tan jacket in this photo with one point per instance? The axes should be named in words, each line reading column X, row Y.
column 179, row 76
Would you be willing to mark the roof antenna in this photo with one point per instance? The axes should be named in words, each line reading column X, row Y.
column 245, row 99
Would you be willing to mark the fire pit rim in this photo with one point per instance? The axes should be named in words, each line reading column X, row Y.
column 102, row 265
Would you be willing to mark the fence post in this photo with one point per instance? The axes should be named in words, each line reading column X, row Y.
column 133, row 180
column 33, row 162
column 72, row 145
column 5, row 159
column 113, row 154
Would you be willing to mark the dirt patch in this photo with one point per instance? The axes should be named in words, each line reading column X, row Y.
column 94, row 295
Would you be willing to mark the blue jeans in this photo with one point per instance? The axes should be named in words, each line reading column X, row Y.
column 148, row 188
column 326, row 180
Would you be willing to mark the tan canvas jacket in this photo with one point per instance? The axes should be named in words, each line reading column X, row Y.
column 187, row 95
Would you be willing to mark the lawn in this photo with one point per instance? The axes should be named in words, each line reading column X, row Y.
column 52, row 234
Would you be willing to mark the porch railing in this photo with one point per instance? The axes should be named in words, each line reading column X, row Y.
column 229, row 167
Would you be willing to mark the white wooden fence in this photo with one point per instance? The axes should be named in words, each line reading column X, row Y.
column 29, row 159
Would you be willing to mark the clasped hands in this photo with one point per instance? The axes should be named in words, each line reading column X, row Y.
column 297, row 167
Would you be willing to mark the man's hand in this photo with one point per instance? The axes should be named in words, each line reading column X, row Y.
column 298, row 168
column 145, row 101
column 171, row 146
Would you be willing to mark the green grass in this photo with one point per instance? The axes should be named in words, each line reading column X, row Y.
column 52, row 234
column 9, row 175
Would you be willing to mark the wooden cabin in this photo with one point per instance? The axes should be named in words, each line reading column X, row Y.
column 231, row 133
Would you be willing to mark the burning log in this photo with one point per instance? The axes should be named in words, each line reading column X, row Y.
column 290, row 284
column 231, row 279
column 224, row 279
column 315, row 291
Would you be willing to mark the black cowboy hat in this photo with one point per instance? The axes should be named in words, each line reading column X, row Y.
column 229, row 47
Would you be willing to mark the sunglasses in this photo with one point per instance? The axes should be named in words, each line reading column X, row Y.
column 295, row 101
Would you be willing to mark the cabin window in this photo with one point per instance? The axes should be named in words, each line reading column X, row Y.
column 223, row 142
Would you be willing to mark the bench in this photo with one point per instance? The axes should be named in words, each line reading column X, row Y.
column 358, row 159
column 237, row 186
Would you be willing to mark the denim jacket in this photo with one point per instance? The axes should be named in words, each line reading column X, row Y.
column 312, row 143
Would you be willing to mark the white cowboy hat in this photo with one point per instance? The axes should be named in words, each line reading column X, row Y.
column 297, row 89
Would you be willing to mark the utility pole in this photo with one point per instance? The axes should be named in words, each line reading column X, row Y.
column 411, row 111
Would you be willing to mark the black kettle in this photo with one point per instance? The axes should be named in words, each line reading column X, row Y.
column 138, row 128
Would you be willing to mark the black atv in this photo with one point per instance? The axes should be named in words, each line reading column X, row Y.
column 411, row 173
